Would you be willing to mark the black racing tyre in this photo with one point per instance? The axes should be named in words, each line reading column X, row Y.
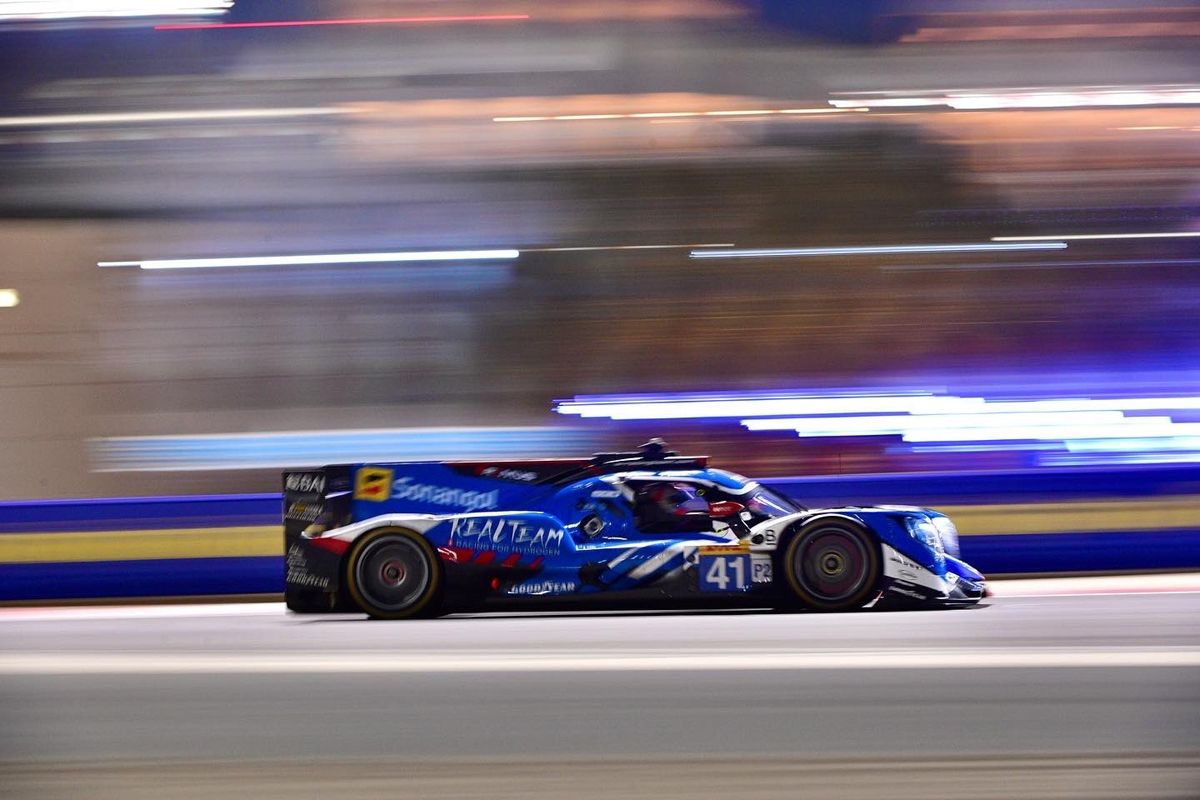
column 393, row 573
column 831, row 565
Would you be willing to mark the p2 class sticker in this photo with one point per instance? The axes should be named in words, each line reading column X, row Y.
column 761, row 570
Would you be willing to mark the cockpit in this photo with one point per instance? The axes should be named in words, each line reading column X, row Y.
column 682, row 506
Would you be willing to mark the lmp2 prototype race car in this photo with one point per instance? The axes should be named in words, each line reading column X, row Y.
column 645, row 529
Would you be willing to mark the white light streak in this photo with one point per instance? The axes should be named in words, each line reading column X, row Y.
column 662, row 114
column 1108, row 459
column 9, row 298
column 1081, row 237
column 329, row 258
column 18, row 10
column 1099, row 404
column 626, row 247
column 1151, row 427
column 59, row 120
column 890, row 102
column 931, row 421
column 652, row 115
column 867, row 250
column 765, row 407
column 1034, row 98
column 813, row 110
column 754, row 112
column 886, row 425
column 1134, row 445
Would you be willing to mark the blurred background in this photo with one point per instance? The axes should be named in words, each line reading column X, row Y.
column 806, row 237
column 943, row 252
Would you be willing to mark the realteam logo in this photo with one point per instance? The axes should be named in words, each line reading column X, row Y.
column 373, row 483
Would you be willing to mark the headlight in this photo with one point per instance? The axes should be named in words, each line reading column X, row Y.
column 949, row 534
column 923, row 530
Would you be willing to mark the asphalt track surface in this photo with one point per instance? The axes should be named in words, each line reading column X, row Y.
column 1051, row 693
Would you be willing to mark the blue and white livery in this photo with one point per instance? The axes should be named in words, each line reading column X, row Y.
column 634, row 529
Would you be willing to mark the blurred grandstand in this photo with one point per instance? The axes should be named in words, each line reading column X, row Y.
column 605, row 142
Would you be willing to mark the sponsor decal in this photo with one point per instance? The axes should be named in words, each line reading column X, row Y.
column 403, row 489
column 544, row 587
column 606, row 494
column 761, row 569
column 509, row 474
column 373, row 483
column 313, row 482
column 298, row 574
column 729, row 572
column 723, row 549
column 304, row 511
column 896, row 558
column 766, row 538
column 492, row 533
column 907, row 592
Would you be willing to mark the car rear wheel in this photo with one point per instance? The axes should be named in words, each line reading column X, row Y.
column 393, row 573
column 831, row 566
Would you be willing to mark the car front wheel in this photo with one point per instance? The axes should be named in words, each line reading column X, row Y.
column 831, row 566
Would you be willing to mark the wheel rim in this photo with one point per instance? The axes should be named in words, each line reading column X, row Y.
column 832, row 564
column 392, row 574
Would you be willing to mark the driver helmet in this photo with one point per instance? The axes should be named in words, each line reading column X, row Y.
column 673, row 506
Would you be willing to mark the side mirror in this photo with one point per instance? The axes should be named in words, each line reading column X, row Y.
column 725, row 509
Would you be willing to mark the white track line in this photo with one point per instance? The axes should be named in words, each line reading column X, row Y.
column 187, row 663
column 1172, row 583
column 79, row 613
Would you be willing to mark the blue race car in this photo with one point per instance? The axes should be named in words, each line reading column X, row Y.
column 638, row 529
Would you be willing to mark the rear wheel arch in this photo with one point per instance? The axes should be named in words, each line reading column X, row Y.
column 371, row 598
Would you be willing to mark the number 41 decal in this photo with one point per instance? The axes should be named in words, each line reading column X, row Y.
column 724, row 573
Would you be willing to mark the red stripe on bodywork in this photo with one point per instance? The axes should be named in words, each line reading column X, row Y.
column 338, row 546
column 456, row 555
column 511, row 561
column 485, row 557
column 537, row 562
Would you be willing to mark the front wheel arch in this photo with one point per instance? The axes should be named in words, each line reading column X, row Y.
column 848, row 538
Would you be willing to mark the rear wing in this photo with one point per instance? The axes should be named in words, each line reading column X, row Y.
column 653, row 455
column 316, row 498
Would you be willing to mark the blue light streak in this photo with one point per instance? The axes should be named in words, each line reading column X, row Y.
column 872, row 250
column 1090, row 428
column 275, row 450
